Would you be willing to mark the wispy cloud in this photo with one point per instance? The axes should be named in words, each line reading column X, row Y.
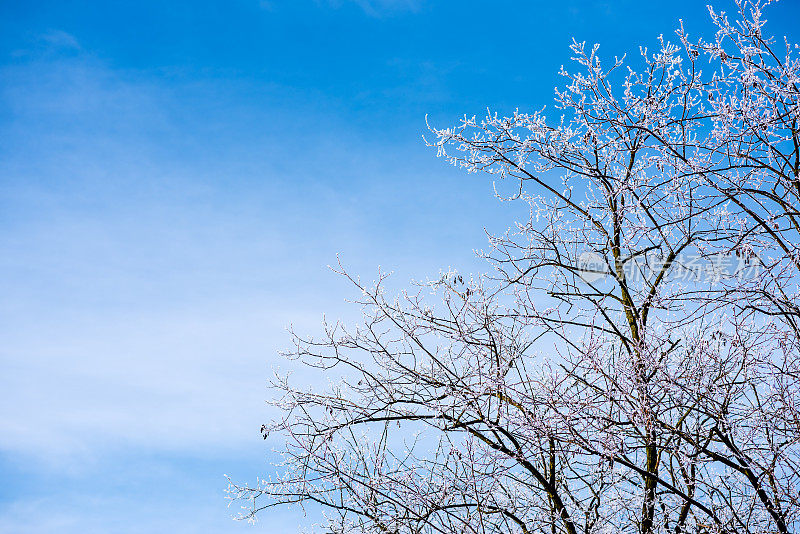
column 60, row 39
column 138, row 275
column 155, row 242
column 382, row 8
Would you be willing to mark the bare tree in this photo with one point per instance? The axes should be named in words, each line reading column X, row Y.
column 630, row 362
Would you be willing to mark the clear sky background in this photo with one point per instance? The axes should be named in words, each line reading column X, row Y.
column 174, row 178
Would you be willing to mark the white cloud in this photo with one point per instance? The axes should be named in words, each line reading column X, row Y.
column 153, row 251
column 145, row 290
column 381, row 8
column 61, row 39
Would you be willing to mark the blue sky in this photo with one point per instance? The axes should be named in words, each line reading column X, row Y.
column 174, row 179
